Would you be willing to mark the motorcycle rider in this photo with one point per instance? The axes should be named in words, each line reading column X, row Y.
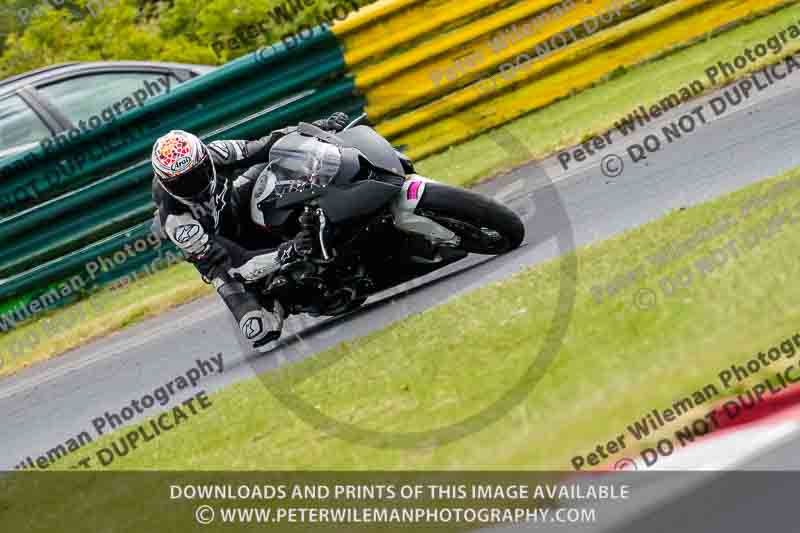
column 202, row 192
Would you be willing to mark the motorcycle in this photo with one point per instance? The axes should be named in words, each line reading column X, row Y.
column 363, row 238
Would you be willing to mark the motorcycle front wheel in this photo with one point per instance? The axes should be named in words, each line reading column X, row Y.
column 484, row 225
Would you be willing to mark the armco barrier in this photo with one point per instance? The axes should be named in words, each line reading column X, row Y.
column 432, row 73
column 121, row 197
column 203, row 104
column 247, row 98
column 441, row 79
column 20, row 288
column 30, row 285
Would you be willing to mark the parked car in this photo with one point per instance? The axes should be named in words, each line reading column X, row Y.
column 44, row 102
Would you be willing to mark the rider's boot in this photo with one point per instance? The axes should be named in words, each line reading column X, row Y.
column 258, row 324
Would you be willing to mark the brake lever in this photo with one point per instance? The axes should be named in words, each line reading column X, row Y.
column 314, row 221
column 327, row 257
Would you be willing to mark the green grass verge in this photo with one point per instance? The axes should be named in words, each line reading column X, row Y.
column 440, row 366
column 616, row 364
column 556, row 126
column 100, row 314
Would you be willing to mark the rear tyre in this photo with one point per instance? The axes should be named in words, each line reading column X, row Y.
column 484, row 225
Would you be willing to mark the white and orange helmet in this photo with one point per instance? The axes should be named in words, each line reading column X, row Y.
column 183, row 165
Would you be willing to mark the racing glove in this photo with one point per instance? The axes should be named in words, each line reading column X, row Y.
column 298, row 248
column 334, row 123
column 259, row 325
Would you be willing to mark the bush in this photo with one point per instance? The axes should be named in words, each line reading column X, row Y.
column 36, row 33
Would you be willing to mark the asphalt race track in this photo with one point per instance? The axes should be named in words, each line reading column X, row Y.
column 45, row 405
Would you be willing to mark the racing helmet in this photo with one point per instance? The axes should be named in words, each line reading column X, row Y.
column 183, row 166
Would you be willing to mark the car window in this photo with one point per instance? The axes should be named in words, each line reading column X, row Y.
column 81, row 97
column 19, row 125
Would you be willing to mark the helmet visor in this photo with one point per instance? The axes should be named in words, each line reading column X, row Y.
column 193, row 183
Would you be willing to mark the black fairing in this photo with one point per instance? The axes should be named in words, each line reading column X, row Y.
column 275, row 217
column 355, row 191
column 360, row 199
column 361, row 252
column 374, row 148
column 339, row 203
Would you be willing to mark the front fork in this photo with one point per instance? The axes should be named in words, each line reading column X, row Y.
column 407, row 220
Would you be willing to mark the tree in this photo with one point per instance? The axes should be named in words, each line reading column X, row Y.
column 37, row 33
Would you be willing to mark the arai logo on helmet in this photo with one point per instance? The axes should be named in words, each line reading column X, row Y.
column 181, row 164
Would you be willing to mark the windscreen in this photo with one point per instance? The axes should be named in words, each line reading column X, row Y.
column 297, row 157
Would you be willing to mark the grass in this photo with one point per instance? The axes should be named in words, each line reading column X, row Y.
column 450, row 362
column 100, row 314
column 542, row 132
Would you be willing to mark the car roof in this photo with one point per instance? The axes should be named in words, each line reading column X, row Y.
column 61, row 70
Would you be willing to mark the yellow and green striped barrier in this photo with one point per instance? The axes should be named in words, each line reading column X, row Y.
column 437, row 72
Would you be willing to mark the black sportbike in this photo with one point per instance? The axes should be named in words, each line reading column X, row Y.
column 376, row 223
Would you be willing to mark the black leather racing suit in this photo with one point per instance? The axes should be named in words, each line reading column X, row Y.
column 220, row 238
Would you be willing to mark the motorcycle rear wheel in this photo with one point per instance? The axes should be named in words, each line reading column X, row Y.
column 484, row 225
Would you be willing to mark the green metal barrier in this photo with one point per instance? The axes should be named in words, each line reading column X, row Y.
column 74, row 218
column 121, row 196
column 240, row 88
column 69, row 278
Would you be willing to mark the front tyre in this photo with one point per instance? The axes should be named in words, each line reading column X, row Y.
column 484, row 225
